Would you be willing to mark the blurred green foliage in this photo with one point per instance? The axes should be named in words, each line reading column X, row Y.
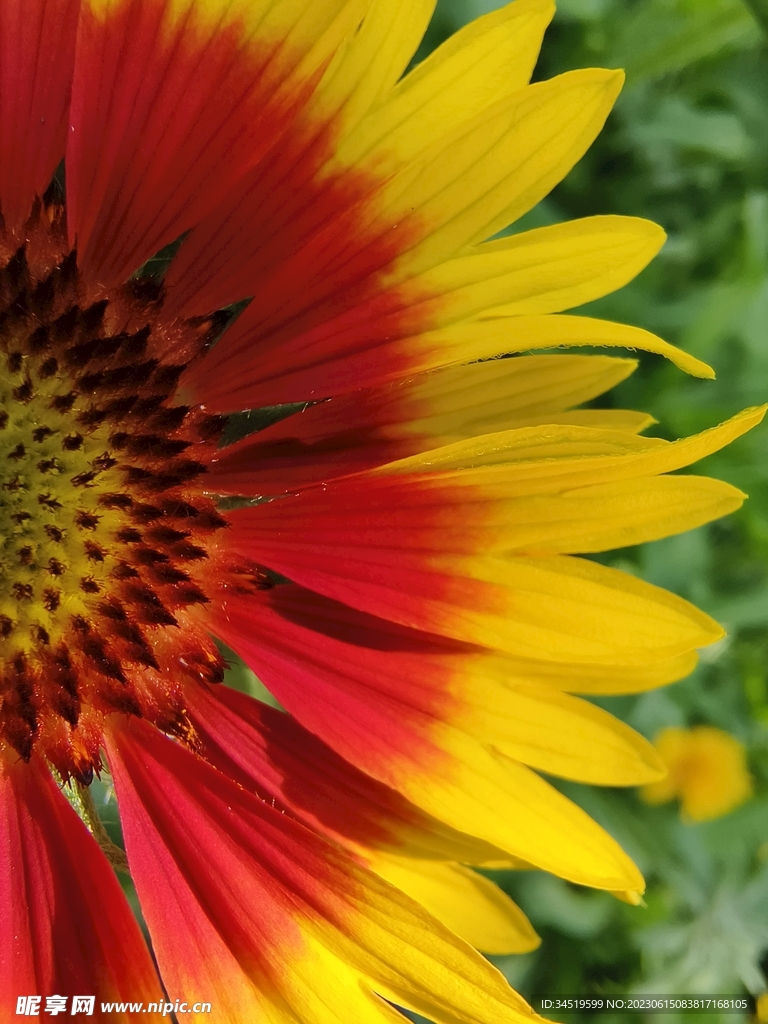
column 687, row 146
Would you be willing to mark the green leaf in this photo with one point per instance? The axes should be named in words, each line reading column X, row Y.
column 663, row 36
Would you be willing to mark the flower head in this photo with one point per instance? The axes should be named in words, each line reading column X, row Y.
column 258, row 209
column 706, row 769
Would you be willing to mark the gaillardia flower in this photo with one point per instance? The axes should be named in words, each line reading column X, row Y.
column 706, row 768
column 395, row 560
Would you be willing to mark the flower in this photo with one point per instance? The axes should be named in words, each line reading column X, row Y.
column 259, row 210
column 707, row 771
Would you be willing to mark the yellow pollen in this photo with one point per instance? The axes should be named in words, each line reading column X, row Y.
column 55, row 486
column 106, row 531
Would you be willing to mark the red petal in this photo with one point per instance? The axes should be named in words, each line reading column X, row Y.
column 276, row 237
column 311, row 257
column 328, row 440
column 204, row 855
column 345, row 342
column 369, row 688
column 67, row 928
column 37, row 54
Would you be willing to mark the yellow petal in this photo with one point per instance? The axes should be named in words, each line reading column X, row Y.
column 510, row 806
column 552, row 731
column 630, row 896
column 605, row 516
column 373, row 59
column 595, row 679
column 507, row 864
column 563, row 457
column 489, row 336
column 541, row 271
column 404, row 954
column 601, row 419
column 559, row 609
column 490, row 58
column 468, row 904
column 489, row 172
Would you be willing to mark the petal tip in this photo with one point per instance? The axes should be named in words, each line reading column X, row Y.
column 631, row 896
column 695, row 367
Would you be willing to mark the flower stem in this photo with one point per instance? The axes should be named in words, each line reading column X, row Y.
column 114, row 854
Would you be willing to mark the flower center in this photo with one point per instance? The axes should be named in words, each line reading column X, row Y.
column 104, row 528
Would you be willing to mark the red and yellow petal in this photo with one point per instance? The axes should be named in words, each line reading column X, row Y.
column 366, row 284
column 373, row 60
column 67, row 928
column 172, row 103
column 558, row 608
column 284, row 220
column 357, row 431
column 486, row 61
column 467, row 541
column 37, row 55
column 366, row 349
column 360, row 251
column 268, row 921
column 270, row 753
column 463, row 517
column 403, row 706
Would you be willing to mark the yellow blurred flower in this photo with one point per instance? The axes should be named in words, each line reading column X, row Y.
column 707, row 771
column 762, row 1008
